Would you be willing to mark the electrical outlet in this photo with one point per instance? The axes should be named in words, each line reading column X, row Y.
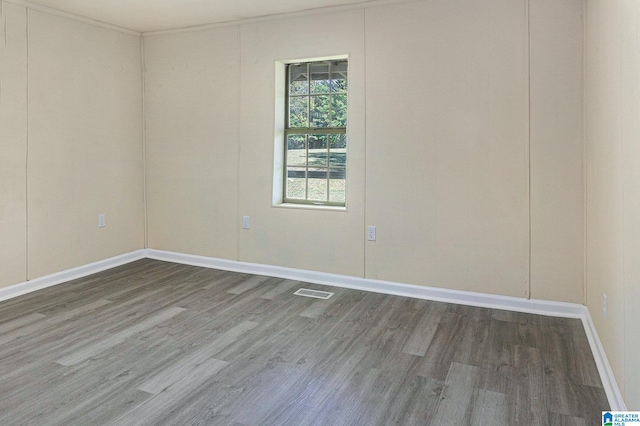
column 101, row 221
column 246, row 222
column 604, row 305
column 371, row 233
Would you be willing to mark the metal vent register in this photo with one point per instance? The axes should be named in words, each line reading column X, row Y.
column 313, row 293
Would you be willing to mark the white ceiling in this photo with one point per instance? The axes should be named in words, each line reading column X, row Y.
column 155, row 15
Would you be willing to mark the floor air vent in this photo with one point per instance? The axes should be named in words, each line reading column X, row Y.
column 313, row 293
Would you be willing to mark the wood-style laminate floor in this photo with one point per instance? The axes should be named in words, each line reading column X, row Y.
column 159, row 343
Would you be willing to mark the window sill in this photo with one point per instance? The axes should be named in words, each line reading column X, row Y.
column 310, row 207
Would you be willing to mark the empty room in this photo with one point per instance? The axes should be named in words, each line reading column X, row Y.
column 280, row 212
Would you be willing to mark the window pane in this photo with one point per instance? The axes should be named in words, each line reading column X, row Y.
column 339, row 110
column 338, row 77
column 320, row 111
column 337, row 190
column 298, row 84
column 338, row 153
column 296, row 183
column 320, row 77
column 317, row 187
column 298, row 111
column 296, row 150
column 338, row 85
column 338, row 158
column 318, row 150
column 338, row 141
column 338, row 173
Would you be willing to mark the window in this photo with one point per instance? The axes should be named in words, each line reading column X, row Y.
column 315, row 154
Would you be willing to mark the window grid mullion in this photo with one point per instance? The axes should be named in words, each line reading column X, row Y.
column 306, row 167
column 317, row 130
column 306, row 175
column 286, row 134
column 327, row 137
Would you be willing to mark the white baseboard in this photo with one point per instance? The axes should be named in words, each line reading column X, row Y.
column 541, row 307
column 68, row 275
column 609, row 382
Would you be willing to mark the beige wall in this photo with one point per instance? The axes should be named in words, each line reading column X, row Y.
column 613, row 184
column 210, row 145
column 328, row 241
column 83, row 155
column 209, row 103
column 192, row 100
column 557, row 149
column 447, row 145
column 13, row 144
column 446, row 156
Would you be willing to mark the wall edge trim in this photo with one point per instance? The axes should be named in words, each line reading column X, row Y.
column 50, row 280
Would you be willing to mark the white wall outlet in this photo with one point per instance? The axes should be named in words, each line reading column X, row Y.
column 371, row 233
column 604, row 305
column 101, row 221
column 246, row 222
